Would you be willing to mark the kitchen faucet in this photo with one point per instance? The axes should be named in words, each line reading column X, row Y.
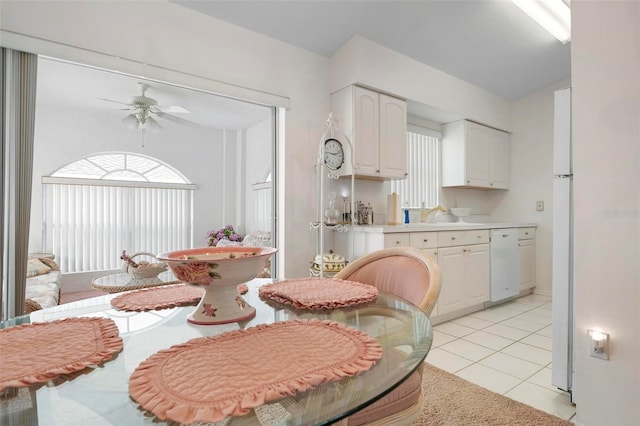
column 424, row 214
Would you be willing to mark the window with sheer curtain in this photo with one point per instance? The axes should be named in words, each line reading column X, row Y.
column 423, row 167
column 102, row 204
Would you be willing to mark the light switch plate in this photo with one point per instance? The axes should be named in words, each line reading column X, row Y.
column 540, row 206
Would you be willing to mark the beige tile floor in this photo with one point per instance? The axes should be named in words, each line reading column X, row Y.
column 506, row 349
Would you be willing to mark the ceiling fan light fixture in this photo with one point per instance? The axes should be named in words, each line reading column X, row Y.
column 553, row 15
column 144, row 108
column 152, row 125
column 131, row 121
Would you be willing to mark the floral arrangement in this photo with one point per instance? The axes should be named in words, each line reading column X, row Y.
column 226, row 233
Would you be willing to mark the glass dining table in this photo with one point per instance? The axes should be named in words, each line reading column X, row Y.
column 100, row 396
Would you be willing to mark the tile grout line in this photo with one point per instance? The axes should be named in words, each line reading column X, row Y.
column 539, row 367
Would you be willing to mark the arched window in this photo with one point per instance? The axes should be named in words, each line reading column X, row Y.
column 102, row 204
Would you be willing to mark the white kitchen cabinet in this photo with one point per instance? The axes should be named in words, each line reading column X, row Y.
column 463, row 257
column 423, row 240
column 451, row 261
column 499, row 160
column 527, row 250
column 399, row 239
column 474, row 156
column 465, row 277
column 376, row 125
column 478, row 271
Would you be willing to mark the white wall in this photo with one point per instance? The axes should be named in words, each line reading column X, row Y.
column 531, row 143
column 199, row 44
column 369, row 64
column 365, row 62
column 605, row 57
column 201, row 52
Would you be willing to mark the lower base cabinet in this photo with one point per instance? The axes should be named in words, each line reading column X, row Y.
column 463, row 258
column 465, row 273
column 527, row 250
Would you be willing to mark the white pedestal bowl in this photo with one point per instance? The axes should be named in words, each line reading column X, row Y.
column 460, row 213
column 218, row 270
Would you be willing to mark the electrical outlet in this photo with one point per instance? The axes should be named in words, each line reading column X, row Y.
column 598, row 344
column 540, row 206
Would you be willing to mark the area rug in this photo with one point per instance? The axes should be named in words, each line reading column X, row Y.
column 453, row 401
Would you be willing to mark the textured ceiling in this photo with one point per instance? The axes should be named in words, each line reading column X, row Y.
column 489, row 43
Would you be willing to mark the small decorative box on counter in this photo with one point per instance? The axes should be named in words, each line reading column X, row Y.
column 332, row 263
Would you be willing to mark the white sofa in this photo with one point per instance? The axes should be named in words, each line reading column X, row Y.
column 43, row 282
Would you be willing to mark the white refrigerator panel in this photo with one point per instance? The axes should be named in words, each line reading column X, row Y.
column 562, row 287
column 562, row 132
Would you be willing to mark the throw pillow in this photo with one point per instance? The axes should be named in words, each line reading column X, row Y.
column 31, row 305
column 50, row 263
column 35, row 267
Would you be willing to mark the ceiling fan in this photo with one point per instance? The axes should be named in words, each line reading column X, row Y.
column 143, row 109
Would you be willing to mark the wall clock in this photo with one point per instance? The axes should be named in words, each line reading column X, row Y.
column 333, row 154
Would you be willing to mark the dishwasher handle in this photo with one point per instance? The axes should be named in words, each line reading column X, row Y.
column 504, row 233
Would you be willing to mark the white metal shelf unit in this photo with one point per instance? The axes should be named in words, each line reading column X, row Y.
column 324, row 172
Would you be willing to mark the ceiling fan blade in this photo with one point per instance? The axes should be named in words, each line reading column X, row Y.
column 176, row 119
column 115, row 102
column 172, row 109
column 109, row 110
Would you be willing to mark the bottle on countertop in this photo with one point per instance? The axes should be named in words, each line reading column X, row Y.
column 345, row 211
column 423, row 212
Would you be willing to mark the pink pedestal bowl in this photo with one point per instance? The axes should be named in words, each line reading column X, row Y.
column 218, row 270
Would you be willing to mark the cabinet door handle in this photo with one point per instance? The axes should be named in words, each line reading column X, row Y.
column 453, row 238
column 491, row 184
column 397, row 243
column 425, row 240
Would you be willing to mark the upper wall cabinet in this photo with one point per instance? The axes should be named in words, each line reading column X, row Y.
column 474, row 156
column 376, row 124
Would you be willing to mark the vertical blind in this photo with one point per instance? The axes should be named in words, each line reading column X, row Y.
column 18, row 75
column 88, row 226
column 262, row 209
column 423, row 167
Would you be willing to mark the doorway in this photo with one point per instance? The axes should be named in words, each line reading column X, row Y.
column 223, row 146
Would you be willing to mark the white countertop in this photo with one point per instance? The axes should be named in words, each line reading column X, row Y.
column 441, row 226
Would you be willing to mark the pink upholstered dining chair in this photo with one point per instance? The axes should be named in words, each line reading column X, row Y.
column 414, row 276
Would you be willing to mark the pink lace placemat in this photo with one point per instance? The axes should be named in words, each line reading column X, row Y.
column 208, row 379
column 319, row 293
column 39, row 352
column 158, row 298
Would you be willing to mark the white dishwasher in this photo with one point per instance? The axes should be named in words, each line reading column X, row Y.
column 505, row 264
